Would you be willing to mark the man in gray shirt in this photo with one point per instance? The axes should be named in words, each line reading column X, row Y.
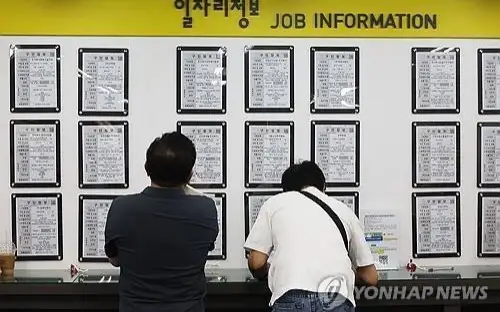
column 160, row 238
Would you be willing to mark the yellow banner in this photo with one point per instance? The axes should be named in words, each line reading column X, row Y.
column 253, row 18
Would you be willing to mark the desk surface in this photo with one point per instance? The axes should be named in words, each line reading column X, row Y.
column 244, row 276
column 235, row 289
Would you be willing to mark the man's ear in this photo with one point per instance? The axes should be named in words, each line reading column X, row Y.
column 146, row 168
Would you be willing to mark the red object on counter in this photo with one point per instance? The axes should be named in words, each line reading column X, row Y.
column 411, row 267
column 74, row 270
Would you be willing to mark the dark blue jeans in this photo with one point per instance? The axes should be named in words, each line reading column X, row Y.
column 300, row 300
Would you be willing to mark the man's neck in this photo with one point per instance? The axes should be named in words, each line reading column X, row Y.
column 167, row 187
column 308, row 186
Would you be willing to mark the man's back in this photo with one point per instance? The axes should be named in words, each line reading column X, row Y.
column 162, row 237
column 308, row 246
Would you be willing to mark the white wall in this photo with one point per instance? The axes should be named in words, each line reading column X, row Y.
column 385, row 116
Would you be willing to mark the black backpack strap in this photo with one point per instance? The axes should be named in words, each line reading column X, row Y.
column 332, row 215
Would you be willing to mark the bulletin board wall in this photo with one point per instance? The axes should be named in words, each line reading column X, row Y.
column 383, row 37
column 385, row 117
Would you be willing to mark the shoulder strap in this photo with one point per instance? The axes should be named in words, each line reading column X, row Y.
column 332, row 215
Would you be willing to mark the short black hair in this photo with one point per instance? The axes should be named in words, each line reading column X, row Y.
column 289, row 182
column 299, row 176
column 170, row 160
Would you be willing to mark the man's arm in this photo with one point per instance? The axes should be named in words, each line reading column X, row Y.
column 214, row 225
column 189, row 190
column 361, row 256
column 258, row 265
column 367, row 275
column 112, row 253
column 259, row 244
column 111, row 234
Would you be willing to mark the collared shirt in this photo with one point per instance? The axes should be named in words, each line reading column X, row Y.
column 306, row 245
column 161, row 238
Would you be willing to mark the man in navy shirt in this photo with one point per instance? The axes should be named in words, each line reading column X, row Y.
column 160, row 238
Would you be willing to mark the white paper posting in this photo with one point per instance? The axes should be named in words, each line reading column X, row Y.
column 36, row 78
column 202, row 79
column 490, row 225
column 35, row 153
column 218, row 241
column 436, row 79
column 491, row 81
column 436, row 154
column 95, row 214
column 208, row 140
column 382, row 234
column 269, row 153
column 104, row 154
column 37, row 226
column 255, row 202
column 490, row 154
column 437, row 225
column 335, row 150
column 269, row 78
column 349, row 201
column 104, row 82
column 335, row 80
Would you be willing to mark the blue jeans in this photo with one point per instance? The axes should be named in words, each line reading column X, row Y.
column 301, row 300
